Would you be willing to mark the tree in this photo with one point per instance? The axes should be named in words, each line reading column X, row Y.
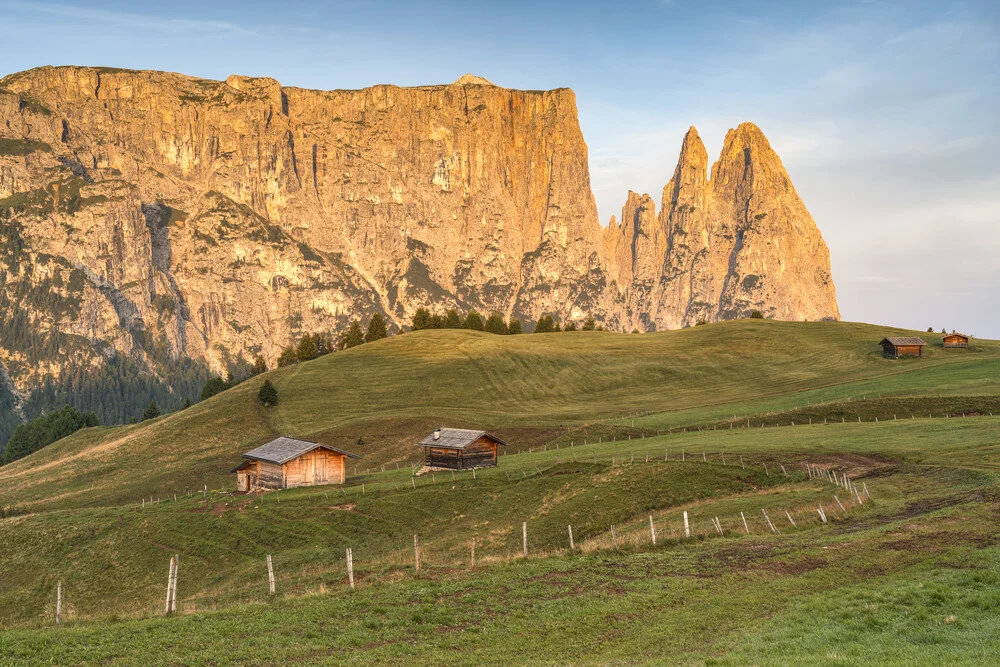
column 756, row 315
column 436, row 322
column 354, row 336
column 514, row 327
column 452, row 320
column 473, row 321
column 570, row 326
column 187, row 403
column 268, row 395
column 589, row 324
column 287, row 357
column 259, row 365
column 152, row 411
column 421, row 319
column 44, row 430
column 213, row 387
column 306, row 349
column 930, row 329
column 545, row 324
column 378, row 328
column 495, row 324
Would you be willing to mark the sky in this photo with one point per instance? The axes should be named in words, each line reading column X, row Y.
column 884, row 113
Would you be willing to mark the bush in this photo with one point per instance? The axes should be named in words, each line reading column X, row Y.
column 701, row 322
column 268, row 395
column 756, row 315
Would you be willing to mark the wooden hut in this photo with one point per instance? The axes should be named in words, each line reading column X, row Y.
column 903, row 346
column 460, row 449
column 285, row 463
column 955, row 340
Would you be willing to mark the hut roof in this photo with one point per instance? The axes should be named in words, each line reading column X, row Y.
column 456, row 438
column 283, row 449
column 955, row 333
column 904, row 340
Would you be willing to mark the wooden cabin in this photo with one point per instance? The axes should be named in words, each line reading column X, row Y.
column 955, row 340
column 903, row 346
column 460, row 449
column 285, row 463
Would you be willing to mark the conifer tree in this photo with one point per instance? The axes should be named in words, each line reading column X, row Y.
column 452, row 320
column 306, row 349
column 473, row 321
column 353, row 337
column 589, row 324
column 287, row 357
column 495, row 324
column 545, row 324
column 213, row 387
column 570, row 326
column 259, row 365
column 378, row 328
column 514, row 327
column 152, row 411
column 268, row 395
column 421, row 319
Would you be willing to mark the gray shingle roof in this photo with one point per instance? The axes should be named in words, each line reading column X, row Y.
column 283, row 449
column 456, row 438
column 905, row 340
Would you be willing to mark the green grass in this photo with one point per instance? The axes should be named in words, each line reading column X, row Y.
column 910, row 577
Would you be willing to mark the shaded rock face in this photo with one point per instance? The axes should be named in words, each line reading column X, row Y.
column 723, row 247
column 148, row 213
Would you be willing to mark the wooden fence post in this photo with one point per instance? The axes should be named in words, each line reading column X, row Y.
column 841, row 504
column 718, row 526
column 687, row 526
column 768, row 519
column 723, row 458
column 822, row 514
column 270, row 575
column 571, row 546
column 524, row 538
column 784, row 471
column 741, row 462
column 613, row 536
column 350, row 568
column 416, row 553
column 473, row 565
column 790, row 519
column 171, row 604
column 59, row 602
column 765, row 470
column 745, row 526
column 865, row 487
column 652, row 530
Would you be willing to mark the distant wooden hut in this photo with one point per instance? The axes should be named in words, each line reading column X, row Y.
column 903, row 346
column 460, row 449
column 955, row 340
column 285, row 463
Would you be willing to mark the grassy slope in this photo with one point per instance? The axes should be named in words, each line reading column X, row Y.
column 932, row 523
column 393, row 391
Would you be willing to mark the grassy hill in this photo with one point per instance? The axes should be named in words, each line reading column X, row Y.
column 623, row 429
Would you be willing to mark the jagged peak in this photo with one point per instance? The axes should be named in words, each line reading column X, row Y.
column 472, row 80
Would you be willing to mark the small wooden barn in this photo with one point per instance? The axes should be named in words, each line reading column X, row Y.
column 903, row 346
column 285, row 463
column 955, row 340
column 460, row 449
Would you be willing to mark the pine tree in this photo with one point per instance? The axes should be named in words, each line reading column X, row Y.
column 589, row 324
column 213, row 387
column 545, row 324
column 259, row 365
column 306, row 349
column 268, row 395
column 187, row 403
column 421, row 319
column 473, row 321
column 378, row 328
column 452, row 320
column 287, row 357
column 437, row 322
column 514, row 327
column 495, row 324
column 354, row 336
column 152, row 411
column 571, row 326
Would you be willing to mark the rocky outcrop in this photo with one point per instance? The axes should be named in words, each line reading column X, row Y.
column 155, row 215
column 723, row 247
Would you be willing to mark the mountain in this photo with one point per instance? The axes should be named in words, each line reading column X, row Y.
column 158, row 227
column 722, row 247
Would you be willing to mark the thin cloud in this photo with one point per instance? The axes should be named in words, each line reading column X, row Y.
column 128, row 19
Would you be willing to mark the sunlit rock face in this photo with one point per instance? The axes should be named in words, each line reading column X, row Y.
column 149, row 212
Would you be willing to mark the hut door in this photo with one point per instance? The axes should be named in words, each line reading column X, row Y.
column 321, row 465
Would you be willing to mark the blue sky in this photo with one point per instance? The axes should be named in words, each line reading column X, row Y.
column 885, row 113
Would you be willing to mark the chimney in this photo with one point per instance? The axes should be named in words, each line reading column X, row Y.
column 437, row 434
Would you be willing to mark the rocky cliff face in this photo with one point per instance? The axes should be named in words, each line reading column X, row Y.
column 158, row 217
column 723, row 247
